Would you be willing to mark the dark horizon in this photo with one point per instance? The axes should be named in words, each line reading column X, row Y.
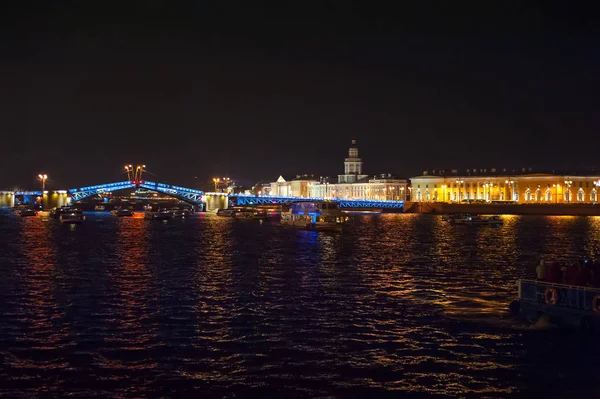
column 195, row 91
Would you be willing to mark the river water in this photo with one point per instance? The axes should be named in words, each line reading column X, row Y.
column 213, row 307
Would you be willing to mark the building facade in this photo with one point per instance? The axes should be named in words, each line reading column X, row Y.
column 352, row 166
column 376, row 188
column 520, row 186
column 296, row 187
column 353, row 184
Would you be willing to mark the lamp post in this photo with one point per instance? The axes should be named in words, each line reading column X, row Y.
column 43, row 178
column 216, row 180
column 512, row 189
column 458, row 183
column 568, row 192
column 128, row 170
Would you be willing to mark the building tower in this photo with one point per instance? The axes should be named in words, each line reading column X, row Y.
column 352, row 166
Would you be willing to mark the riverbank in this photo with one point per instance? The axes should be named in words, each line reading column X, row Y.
column 506, row 209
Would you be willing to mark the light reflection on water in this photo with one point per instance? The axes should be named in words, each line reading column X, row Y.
column 215, row 306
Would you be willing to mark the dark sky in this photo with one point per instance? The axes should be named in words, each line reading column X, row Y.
column 251, row 92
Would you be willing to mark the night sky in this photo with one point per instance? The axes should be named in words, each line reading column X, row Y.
column 252, row 93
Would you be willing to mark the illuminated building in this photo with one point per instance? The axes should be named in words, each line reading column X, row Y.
column 521, row 186
column 353, row 184
column 352, row 166
column 292, row 187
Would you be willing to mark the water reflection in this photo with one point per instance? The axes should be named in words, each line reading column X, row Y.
column 32, row 320
column 218, row 306
column 133, row 301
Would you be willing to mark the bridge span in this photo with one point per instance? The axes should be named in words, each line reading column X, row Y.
column 189, row 195
column 208, row 201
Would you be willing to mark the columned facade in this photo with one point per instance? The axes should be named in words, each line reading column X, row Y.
column 526, row 188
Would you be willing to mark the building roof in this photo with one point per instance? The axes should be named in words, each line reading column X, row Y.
column 506, row 172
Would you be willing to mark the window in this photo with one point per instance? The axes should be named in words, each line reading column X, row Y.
column 548, row 195
column 528, row 195
column 568, row 195
column 538, row 195
column 580, row 195
column 593, row 196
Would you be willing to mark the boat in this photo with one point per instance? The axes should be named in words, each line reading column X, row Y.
column 453, row 216
column 180, row 213
column 23, row 212
column 226, row 212
column 74, row 216
column 319, row 216
column 161, row 214
column 561, row 304
column 121, row 212
column 249, row 215
column 99, row 208
column 56, row 212
column 477, row 220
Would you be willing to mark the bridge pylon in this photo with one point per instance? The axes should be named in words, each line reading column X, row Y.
column 215, row 201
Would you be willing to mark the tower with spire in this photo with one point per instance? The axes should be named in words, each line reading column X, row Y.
column 352, row 166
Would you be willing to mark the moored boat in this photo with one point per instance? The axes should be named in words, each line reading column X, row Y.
column 23, row 212
column 180, row 213
column 453, row 216
column 249, row 215
column 161, row 214
column 55, row 213
column 476, row 220
column 73, row 216
column 99, row 208
column 319, row 216
column 121, row 212
column 226, row 212
column 561, row 304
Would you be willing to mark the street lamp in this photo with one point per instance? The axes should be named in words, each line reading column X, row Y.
column 128, row 170
column 568, row 192
column 485, row 191
column 216, row 180
column 458, row 182
column 512, row 189
column 43, row 178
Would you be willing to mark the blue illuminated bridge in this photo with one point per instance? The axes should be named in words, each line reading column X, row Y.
column 185, row 194
column 248, row 199
column 197, row 197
